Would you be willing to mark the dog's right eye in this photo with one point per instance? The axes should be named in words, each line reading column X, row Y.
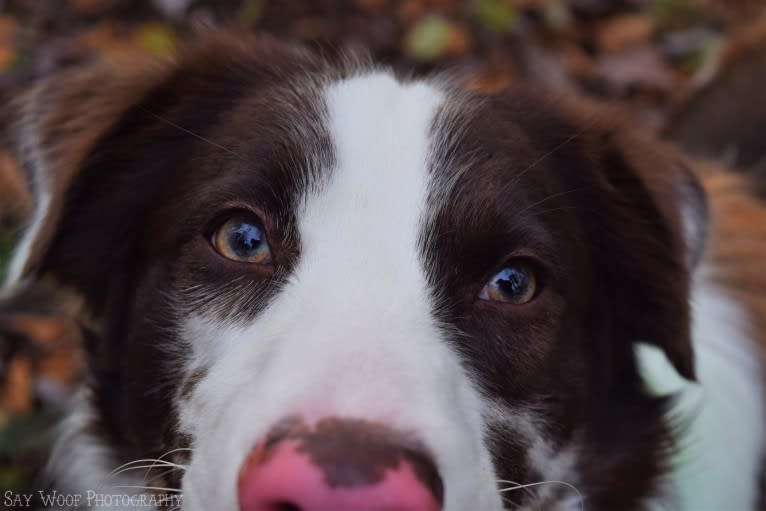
column 516, row 283
column 241, row 238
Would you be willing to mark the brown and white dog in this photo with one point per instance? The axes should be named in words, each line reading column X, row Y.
column 316, row 286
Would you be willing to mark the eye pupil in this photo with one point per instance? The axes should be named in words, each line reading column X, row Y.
column 512, row 282
column 242, row 239
column 245, row 239
column 515, row 284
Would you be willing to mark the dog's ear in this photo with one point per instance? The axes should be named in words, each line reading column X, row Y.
column 649, row 235
column 51, row 130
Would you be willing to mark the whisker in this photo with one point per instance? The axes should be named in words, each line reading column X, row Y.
column 190, row 132
column 176, row 450
column 540, row 483
column 161, row 474
column 517, row 486
column 554, row 150
column 172, row 451
column 173, row 466
column 563, row 208
column 128, row 464
column 155, row 488
column 549, row 197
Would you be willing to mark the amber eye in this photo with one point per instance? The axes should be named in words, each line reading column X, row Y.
column 515, row 283
column 241, row 238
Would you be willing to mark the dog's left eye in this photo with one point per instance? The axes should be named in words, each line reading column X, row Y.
column 516, row 284
column 241, row 238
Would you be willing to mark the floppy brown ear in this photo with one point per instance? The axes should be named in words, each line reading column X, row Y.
column 52, row 128
column 653, row 235
column 676, row 190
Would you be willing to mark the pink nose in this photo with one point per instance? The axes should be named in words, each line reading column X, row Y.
column 339, row 465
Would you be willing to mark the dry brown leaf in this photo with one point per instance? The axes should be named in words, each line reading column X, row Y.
column 43, row 330
column 458, row 41
column 640, row 68
column 373, row 5
column 91, row 7
column 16, row 394
column 411, row 11
column 8, row 28
column 620, row 32
column 488, row 82
column 52, row 352
column 311, row 28
column 15, row 201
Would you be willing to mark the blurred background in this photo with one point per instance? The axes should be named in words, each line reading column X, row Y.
column 649, row 56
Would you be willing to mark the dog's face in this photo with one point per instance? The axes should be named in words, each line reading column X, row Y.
column 331, row 289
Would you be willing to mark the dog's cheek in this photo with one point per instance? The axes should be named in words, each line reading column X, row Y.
column 535, row 468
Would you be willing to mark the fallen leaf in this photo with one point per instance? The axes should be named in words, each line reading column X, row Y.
column 16, row 394
column 676, row 14
column 498, row 16
column 636, row 69
column 8, row 30
column 373, row 5
column 156, row 38
column 15, row 202
column 311, row 28
column 428, row 38
column 91, row 6
column 250, row 12
column 434, row 37
column 620, row 32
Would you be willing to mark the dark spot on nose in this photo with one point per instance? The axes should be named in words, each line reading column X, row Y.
column 354, row 452
column 347, row 455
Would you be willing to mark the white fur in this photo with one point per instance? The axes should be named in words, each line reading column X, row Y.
column 23, row 250
column 719, row 459
column 556, row 467
column 32, row 152
column 81, row 464
column 352, row 333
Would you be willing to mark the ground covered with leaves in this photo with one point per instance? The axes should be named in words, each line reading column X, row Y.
column 644, row 54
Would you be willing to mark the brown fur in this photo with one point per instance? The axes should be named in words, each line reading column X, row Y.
column 737, row 243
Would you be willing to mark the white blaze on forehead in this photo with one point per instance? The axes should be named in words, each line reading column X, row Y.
column 359, row 288
column 352, row 332
column 362, row 226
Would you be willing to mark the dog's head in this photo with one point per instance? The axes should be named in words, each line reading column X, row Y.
column 325, row 287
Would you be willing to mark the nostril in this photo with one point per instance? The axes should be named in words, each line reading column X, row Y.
column 339, row 465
